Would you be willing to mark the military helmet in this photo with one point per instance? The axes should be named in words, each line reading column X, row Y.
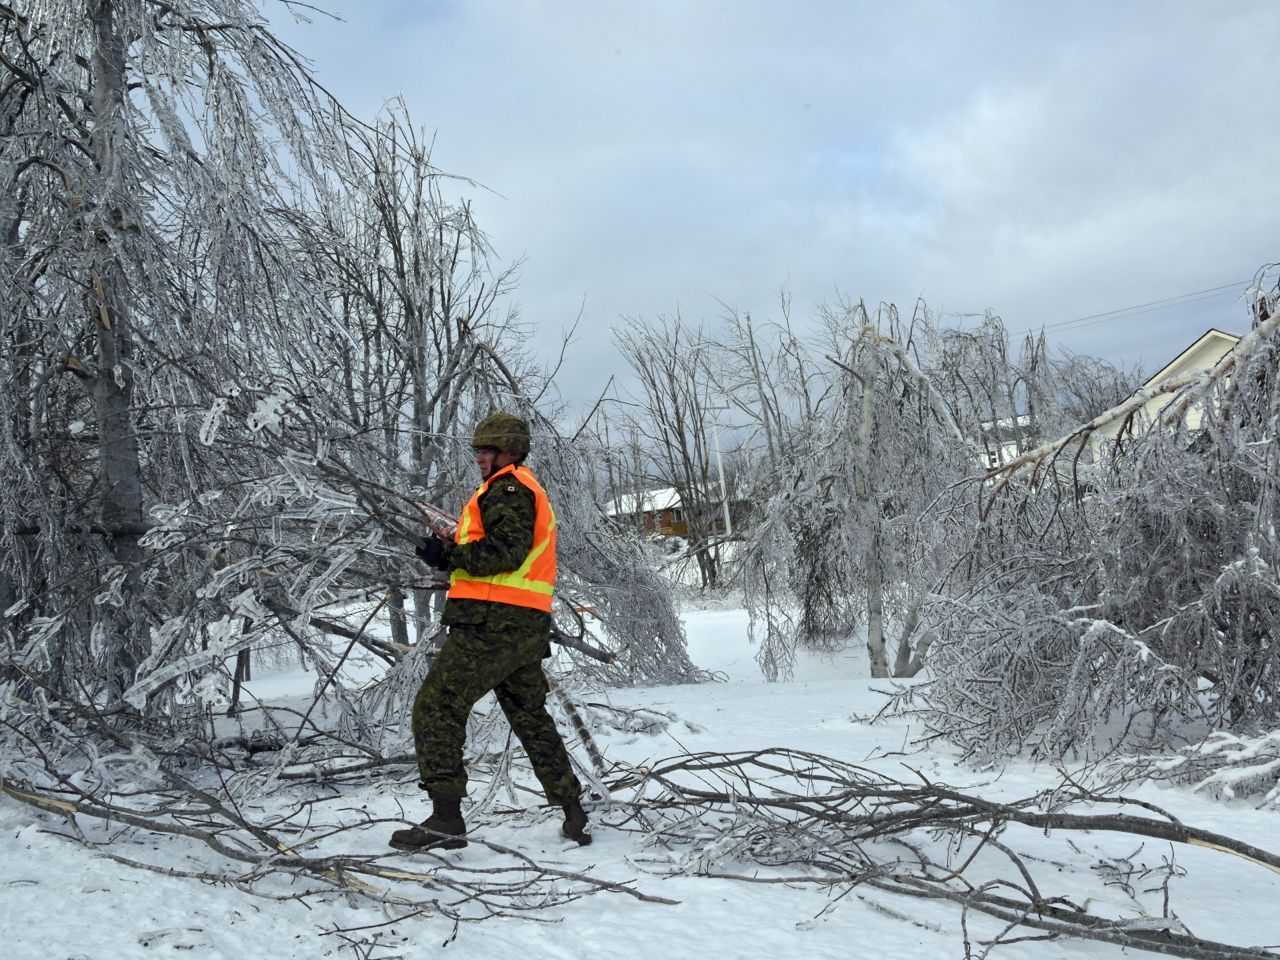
column 503, row 431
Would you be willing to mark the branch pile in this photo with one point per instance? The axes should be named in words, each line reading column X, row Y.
column 160, row 808
column 789, row 817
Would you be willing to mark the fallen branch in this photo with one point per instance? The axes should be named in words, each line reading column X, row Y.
column 839, row 826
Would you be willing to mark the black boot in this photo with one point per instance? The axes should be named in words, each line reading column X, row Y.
column 443, row 830
column 575, row 822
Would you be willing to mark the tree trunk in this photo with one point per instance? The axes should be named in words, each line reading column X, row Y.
column 120, row 481
column 875, row 610
column 399, row 622
column 910, row 662
column 871, row 514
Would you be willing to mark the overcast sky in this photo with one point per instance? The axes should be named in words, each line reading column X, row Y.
column 1045, row 161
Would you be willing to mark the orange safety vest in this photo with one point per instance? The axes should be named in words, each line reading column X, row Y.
column 532, row 584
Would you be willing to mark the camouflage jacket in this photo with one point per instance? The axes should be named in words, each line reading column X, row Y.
column 507, row 514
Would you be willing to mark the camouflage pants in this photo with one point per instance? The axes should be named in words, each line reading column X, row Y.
column 471, row 663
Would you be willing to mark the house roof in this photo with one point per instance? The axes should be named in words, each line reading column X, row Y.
column 1008, row 428
column 658, row 498
column 1209, row 348
column 627, row 504
column 1228, row 341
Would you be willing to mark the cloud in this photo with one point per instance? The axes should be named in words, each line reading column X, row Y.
column 1045, row 162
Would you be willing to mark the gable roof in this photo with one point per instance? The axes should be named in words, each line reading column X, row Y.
column 1228, row 342
column 1203, row 354
column 658, row 498
column 627, row 504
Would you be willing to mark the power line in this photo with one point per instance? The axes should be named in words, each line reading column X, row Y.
column 1137, row 309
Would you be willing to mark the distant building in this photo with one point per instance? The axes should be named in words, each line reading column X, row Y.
column 650, row 512
column 660, row 512
column 1004, row 440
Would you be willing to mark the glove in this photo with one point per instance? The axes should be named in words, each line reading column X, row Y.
column 431, row 551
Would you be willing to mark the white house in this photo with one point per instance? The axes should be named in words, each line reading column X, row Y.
column 1002, row 440
column 1202, row 355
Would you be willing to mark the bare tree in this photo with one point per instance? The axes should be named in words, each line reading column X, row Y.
column 668, row 359
column 432, row 344
column 775, row 385
column 767, row 374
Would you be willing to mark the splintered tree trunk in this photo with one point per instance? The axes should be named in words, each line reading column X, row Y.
column 909, row 662
column 119, row 472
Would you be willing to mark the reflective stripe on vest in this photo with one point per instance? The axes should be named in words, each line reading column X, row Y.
column 532, row 584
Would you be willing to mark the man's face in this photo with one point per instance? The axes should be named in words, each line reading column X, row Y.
column 490, row 460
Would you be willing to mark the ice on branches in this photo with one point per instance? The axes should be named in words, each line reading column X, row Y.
column 1127, row 601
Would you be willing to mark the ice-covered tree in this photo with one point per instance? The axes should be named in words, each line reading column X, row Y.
column 243, row 333
column 868, row 514
column 149, row 152
column 669, row 360
column 846, row 540
column 1131, row 602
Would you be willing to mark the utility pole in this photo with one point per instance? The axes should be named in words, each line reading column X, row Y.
column 724, row 491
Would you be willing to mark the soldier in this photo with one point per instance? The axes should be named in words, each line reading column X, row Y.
column 502, row 567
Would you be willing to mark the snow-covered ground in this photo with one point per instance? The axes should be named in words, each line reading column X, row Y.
column 61, row 900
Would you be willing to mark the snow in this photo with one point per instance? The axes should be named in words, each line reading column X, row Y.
column 62, row 900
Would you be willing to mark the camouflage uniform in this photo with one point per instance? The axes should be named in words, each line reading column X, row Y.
column 491, row 646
